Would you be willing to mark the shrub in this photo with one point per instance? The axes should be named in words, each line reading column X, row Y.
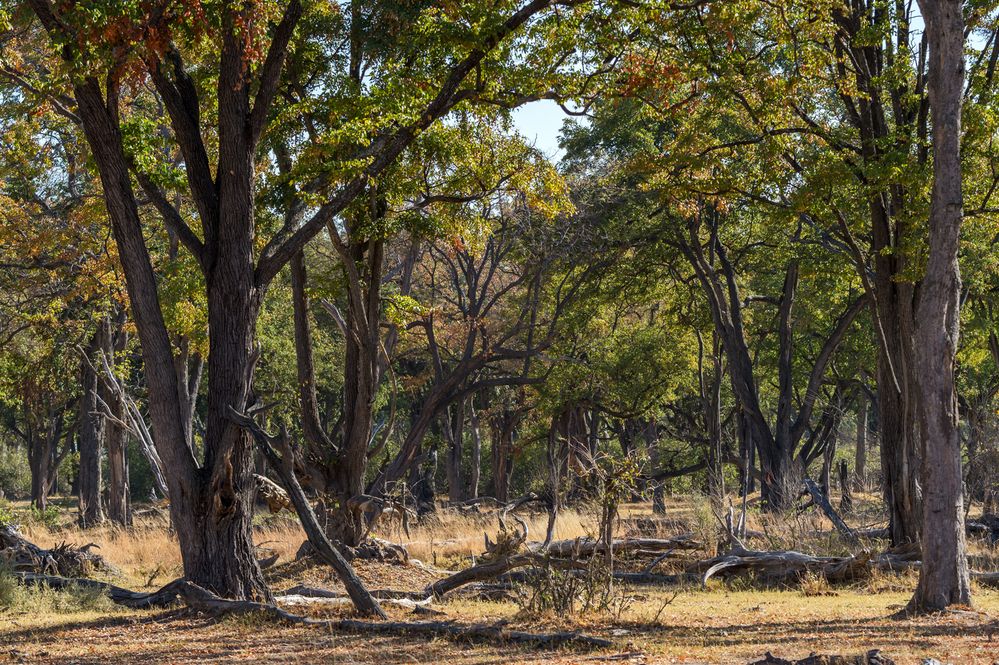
column 15, row 474
column 550, row 590
column 49, row 517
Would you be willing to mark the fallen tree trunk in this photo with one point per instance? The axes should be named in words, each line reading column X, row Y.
column 590, row 546
column 21, row 555
column 205, row 601
column 788, row 565
column 164, row 597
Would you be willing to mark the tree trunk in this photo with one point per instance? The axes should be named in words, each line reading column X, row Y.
column 860, row 462
column 845, row 498
column 39, row 462
column 827, row 464
column 898, row 431
column 453, row 426
column 943, row 576
column 91, row 425
column 115, row 436
column 476, row 466
column 502, row 428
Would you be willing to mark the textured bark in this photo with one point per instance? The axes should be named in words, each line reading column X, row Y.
column 453, row 427
column 503, row 427
column 119, row 508
column 91, row 433
column 475, row 470
column 860, row 460
column 943, row 577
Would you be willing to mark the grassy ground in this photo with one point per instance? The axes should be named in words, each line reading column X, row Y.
column 725, row 623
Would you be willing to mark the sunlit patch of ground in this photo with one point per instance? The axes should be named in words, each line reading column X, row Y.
column 726, row 623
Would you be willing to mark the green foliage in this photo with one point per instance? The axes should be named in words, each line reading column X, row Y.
column 7, row 517
column 50, row 517
column 15, row 474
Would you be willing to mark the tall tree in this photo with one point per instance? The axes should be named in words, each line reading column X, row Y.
column 943, row 576
column 232, row 60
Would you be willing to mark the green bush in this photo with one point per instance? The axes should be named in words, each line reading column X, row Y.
column 6, row 514
column 49, row 517
column 15, row 474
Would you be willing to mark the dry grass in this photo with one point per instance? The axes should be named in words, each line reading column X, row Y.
column 722, row 624
column 448, row 540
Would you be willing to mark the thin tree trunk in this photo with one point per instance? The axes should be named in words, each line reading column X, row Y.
column 860, row 462
column 453, row 426
column 943, row 576
column 91, row 425
column 476, row 466
column 115, row 436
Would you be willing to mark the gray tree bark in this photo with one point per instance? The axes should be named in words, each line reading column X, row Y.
column 860, row 462
column 91, row 427
column 943, row 576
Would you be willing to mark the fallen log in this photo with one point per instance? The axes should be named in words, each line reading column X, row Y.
column 205, row 601
column 782, row 566
column 20, row 554
column 164, row 597
column 779, row 566
column 590, row 546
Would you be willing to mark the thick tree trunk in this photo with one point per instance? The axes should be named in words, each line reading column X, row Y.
column 898, row 428
column 211, row 504
column 91, row 425
column 943, row 576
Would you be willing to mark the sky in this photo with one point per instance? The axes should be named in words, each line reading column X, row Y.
column 540, row 122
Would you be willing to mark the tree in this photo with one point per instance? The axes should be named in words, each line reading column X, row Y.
column 243, row 54
column 943, row 576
